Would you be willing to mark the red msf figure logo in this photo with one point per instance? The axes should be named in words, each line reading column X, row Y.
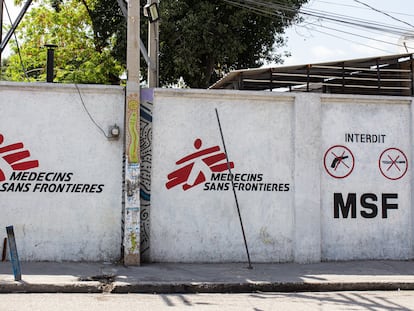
column 207, row 157
column 14, row 156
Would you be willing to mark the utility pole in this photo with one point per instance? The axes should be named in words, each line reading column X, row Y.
column 153, row 43
column 132, row 230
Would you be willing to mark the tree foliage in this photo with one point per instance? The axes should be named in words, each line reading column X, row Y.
column 80, row 56
column 202, row 38
column 199, row 40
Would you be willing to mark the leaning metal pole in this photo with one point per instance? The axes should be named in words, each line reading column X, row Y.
column 132, row 236
column 1, row 28
column 14, row 26
column 234, row 192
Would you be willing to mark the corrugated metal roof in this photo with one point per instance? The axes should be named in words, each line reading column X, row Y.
column 381, row 75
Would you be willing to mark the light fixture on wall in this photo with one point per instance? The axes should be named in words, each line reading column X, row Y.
column 113, row 132
column 152, row 11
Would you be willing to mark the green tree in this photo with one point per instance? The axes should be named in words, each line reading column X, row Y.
column 200, row 38
column 80, row 56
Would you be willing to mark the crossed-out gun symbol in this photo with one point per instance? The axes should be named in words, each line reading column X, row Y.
column 338, row 160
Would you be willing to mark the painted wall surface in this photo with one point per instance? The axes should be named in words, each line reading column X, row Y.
column 145, row 177
column 193, row 211
column 374, row 138
column 342, row 164
column 62, row 183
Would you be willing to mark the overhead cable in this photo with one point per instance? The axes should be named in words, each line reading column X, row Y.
column 275, row 8
column 17, row 44
column 385, row 13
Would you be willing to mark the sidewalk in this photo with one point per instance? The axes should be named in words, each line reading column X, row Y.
column 81, row 277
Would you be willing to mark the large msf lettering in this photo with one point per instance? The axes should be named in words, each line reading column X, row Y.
column 368, row 202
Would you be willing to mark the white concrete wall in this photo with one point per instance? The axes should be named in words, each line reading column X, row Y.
column 289, row 139
column 81, row 222
column 387, row 121
column 202, row 225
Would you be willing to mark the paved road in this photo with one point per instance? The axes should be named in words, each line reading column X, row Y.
column 376, row 301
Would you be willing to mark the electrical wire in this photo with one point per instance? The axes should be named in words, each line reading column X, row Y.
column 363, row 36
column 356, row 23
column 269, row 9
column 385, row 13
column 270, row 13
column 356, row 30
column 361, row 8
column 274, row 8
column 89, row 114
column 392, row 30
column 356, row 42
column 396, row 35
column 17, row 43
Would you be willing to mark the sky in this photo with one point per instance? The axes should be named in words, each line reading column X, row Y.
column 318, row 40
column 14, row 12
column 321, row 41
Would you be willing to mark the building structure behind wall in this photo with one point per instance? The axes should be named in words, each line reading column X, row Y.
column 382, row 75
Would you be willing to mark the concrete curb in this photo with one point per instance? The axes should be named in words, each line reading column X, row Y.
column 200, row 287
column 165, row 288
column 22, row 287
column 165, row 278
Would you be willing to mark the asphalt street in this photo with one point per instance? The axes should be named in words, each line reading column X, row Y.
column 258, row 301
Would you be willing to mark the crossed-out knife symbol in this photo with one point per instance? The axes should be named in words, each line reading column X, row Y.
column 392, row 162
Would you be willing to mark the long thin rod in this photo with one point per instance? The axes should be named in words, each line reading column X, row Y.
column 14, row 26
column 234, row 191
column 1, row 28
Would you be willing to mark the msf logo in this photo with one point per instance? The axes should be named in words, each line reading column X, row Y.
column 15, row 156
column 192, row 173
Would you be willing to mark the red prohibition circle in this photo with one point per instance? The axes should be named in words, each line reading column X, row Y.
column 381, row 170
column 328, row 170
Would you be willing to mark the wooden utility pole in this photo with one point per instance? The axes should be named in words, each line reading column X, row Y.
column 132, row 236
